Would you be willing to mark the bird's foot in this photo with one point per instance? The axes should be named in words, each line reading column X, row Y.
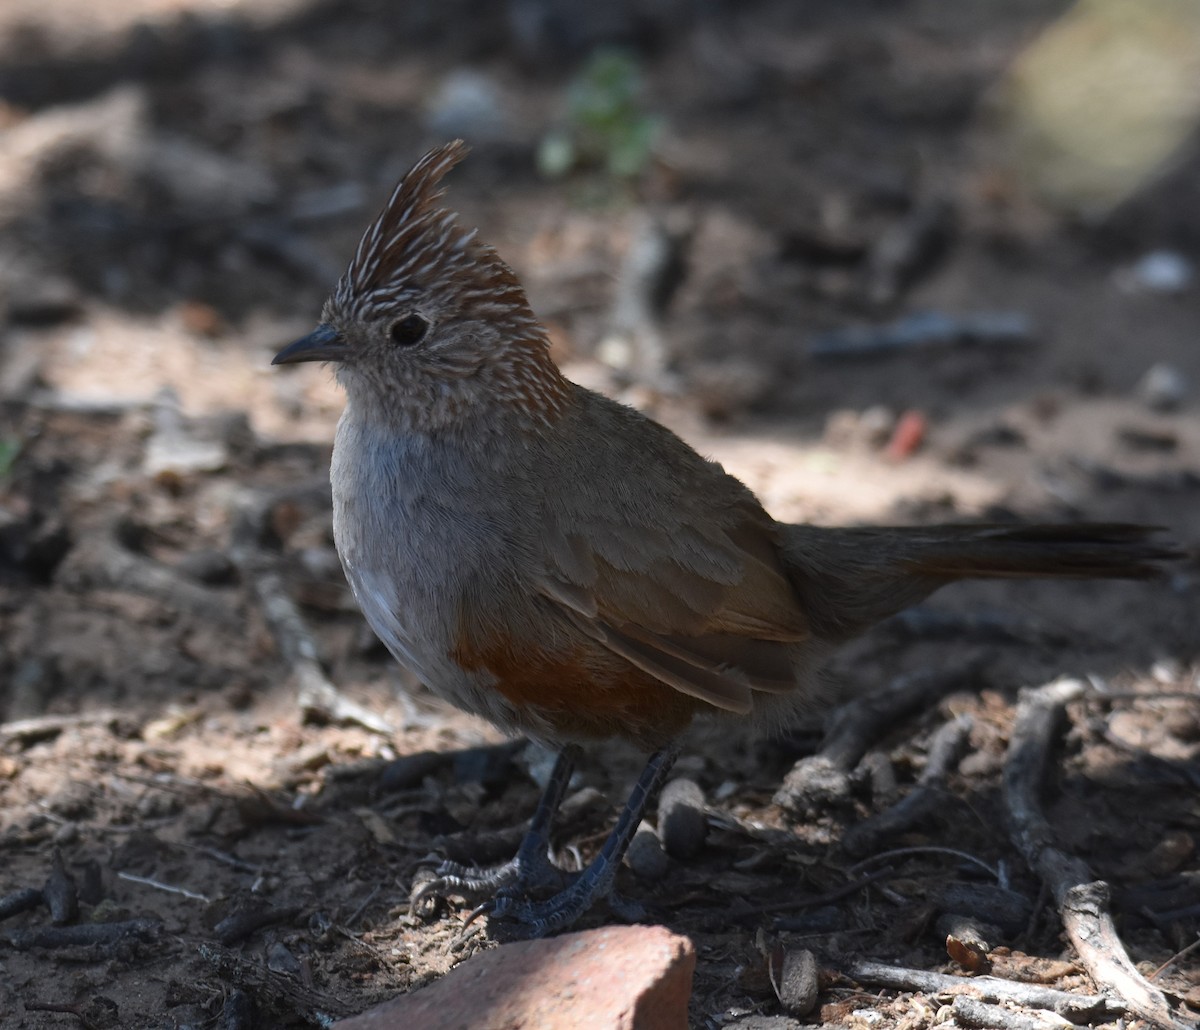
column 528, row 872
column 517, row 915
column 512, row 908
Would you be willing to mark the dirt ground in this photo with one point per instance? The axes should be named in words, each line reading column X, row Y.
column 180, row 184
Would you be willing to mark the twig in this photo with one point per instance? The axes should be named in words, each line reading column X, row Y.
column 18, row 901
column 159, row 885
column 44, row 727
column 972, row 1012
column 315, row 693
column 885, row 856
column 1082, row 901
column 243, row 922
column 240, row 864
column 83, row 935
column 80, row 404
column 1078, row 1008
column 97, row 1012
column 824, row 778
column 1175, row 958
column 944, row 750
column 362, row 906
column 101, row 562
column 924, row 331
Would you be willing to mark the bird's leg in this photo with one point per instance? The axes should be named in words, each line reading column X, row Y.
column 530, row 868
column 538, row 918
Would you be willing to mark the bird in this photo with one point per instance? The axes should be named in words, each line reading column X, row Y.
column 569, row 569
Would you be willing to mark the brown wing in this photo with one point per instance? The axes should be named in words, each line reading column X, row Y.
column 702, row 606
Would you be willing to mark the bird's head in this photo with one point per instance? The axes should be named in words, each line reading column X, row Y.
column 428, row 325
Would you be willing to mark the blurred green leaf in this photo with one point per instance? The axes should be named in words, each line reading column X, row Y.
column 10, row 447
column 606, row 126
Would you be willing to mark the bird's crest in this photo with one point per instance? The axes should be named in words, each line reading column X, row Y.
column 413, row 239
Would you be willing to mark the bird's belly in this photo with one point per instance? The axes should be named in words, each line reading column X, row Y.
column 410, row 627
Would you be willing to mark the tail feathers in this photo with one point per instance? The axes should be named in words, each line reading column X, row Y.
column 851, row 578
column 1089, row 550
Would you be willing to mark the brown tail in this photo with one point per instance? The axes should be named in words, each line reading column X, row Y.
column 849, row 579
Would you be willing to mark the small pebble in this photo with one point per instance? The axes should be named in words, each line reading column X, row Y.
column 798, row 985
column 1163, row 387
column 468, row 103
column 682, row 820
column 646, row 856
column 1159, row 271
column 1167, row 671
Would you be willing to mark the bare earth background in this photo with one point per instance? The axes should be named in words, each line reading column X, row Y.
column 180, row 184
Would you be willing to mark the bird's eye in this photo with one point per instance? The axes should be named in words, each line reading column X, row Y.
column 408, row 330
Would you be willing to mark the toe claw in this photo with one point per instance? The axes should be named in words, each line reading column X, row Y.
column 486, row 908
column 425, row 898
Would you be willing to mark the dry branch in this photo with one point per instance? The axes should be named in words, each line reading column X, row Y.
column 1082, row 900
column 45, row 727
column 84, row 935
column 101, row 562
column 923, row 800
column 1078, row 1008
column 972, row 1012
column 22, row 900
column 824, row 778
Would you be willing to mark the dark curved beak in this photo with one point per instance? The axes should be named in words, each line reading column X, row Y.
column 323, row 344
